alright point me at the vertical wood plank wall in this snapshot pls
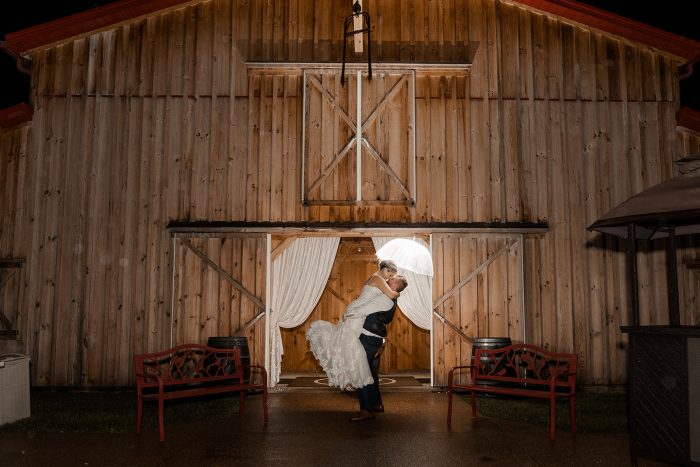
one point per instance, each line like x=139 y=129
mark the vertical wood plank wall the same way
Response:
x=477 y=288
x=207 y=297
x=158 y=120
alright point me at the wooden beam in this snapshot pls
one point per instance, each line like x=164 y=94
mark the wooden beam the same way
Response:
x=298 y=68
x=472 y=274
x=385 y=100
x=360 y=259
x=240 y=331
x=7 y=268
x=4 y=277
x=281 y=248
x=364 y=202
x=223 y=274
x=336 y=160
x=385 y=167
x=351 y=229
x=336 y=295
x=6 y=322
x=453 y=327
x=334 y=104
x=357 y=25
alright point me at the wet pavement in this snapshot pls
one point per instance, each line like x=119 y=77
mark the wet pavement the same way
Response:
x=312 y=427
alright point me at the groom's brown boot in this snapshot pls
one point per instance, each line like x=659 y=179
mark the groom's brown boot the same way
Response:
x=364 y=415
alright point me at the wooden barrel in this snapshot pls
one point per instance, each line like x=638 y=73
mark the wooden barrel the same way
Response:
x=488 y=343
x=234 y=342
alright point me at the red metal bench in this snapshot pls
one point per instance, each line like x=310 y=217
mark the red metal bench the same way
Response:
x=191 y=370
x=519 y=370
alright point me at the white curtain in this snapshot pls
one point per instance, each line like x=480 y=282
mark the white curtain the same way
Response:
x=299 y=276
x=416 y=301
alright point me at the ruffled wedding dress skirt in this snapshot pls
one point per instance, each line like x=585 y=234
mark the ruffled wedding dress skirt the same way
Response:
x=340 y=353
x=337 y=346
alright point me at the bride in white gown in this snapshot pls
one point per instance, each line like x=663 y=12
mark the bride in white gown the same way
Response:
x=337 y=346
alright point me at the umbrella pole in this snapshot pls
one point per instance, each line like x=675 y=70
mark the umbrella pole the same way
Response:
x=672 y=278
x=632 y=265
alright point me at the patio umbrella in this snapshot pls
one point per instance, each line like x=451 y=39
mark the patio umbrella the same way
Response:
x=667 y=209
x=409 y=255
x=673 y=203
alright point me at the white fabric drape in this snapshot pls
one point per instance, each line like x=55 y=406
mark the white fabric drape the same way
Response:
x=299 y=276
x=416 y=301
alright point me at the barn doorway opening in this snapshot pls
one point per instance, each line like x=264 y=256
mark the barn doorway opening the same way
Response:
x=407 y=350
x=223 y=286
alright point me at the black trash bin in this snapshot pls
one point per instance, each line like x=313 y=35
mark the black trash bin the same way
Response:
x=489 y=343
x=234 y=342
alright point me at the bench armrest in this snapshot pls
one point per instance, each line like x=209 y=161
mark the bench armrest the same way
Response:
x=450 y=375
x=461 y=367
x=555 y=376
x=262 y=371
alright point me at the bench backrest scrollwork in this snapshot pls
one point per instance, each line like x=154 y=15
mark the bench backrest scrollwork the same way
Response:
x=187 y=364
x=525 y=363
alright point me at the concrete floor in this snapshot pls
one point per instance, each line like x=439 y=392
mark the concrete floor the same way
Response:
x=311 y=427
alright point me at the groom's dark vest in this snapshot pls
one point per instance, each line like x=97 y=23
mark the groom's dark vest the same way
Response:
x=376 y=322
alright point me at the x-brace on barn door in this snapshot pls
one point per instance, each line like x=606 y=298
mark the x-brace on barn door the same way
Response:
x=359 y=139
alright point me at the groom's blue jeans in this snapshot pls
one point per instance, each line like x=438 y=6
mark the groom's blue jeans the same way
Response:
x=369 y=395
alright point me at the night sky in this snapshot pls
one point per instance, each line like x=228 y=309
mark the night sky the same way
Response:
x=671 y=15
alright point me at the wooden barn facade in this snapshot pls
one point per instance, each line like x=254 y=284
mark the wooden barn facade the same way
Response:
x=177 y=148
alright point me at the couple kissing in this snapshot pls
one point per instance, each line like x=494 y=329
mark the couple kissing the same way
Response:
x=349 y=352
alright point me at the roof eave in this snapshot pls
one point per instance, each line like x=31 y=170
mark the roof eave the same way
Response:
x=619 y=25
x=15 y=115
x=86 y=22
x=688 y=118
x=127 y=10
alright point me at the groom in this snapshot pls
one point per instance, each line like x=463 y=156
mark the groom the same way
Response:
x=372 y=339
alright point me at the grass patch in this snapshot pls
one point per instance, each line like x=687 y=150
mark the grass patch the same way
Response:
x=63 y=411
x=595 y=412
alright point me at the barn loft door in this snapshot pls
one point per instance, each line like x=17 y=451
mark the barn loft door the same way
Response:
x=219 y=290
x=477 y=292
x=359 y=139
